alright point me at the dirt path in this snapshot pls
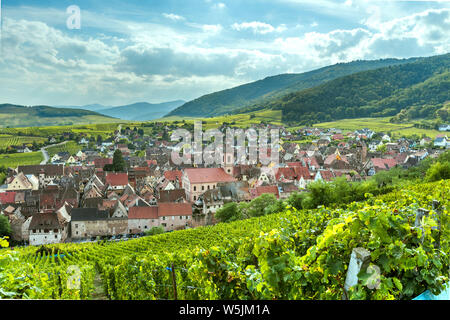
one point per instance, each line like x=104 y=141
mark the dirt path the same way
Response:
x=99 y=290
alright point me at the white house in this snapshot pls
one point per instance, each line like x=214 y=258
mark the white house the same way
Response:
x=444 y=127
x=46 y=228
x=441 y=142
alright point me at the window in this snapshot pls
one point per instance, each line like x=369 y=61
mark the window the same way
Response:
x=76 y=232
x=195 y=198
x=55 y=230
x=195 y=188
x=203 y=188
x=76 y=225
x=145 y=227
x=181 y=217
x=56 y=237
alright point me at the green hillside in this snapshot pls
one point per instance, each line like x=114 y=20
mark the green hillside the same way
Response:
x=375 y=93
x=21 y=116
x=261 y=91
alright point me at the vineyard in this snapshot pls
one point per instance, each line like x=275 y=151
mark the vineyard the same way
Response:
x=15 y=159
x=289 y=255
x=7 y=140
x=70 y=146
x=88 y=129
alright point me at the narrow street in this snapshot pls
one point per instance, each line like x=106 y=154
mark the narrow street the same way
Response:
x=45 y=153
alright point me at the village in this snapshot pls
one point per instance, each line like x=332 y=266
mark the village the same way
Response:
x=81 y=197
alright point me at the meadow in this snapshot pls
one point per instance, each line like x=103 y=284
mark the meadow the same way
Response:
x=15 y=159
x=378 y=125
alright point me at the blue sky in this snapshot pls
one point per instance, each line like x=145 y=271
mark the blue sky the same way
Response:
x=155 y=51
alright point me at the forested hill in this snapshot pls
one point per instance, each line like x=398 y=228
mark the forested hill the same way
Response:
x=262 y=91
x=22 y=116
x=374 y=93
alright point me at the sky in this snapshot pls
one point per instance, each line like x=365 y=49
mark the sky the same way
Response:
x=155 y=51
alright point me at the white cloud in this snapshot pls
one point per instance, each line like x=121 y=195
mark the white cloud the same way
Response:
x=258 y=27
x=173 y=17
x=212 y=28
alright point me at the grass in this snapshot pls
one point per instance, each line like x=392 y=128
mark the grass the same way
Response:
x=16 y=159
x=23 y=119
x=103 y=129
x=378 y=125
x=238 y=120
x=70 y=146
x=7 y=140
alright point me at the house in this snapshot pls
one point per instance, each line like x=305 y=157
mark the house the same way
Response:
x=45 y=173
x=23 y=182
x=8 y=197
x=116 y=181
x=141 y=219
x=425 y=141
x=444 y=127
x=441 y=142
x=324 y=175
x=375 y=165
x=336 y=161
x=176 y=195
x=92 y=222
x=174 y=216
x=84 y=141
x=48 y=227
x=258 y=191
x=101 y=162
x=196 y=181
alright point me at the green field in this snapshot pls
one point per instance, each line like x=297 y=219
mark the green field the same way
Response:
x=70 y=146
x=16 y=159
x=377 y=125
x=7 y=140
x=103 y=129
x=238 y=120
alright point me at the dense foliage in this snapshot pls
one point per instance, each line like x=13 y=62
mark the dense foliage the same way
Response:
x=262 y=91
x=293 y=254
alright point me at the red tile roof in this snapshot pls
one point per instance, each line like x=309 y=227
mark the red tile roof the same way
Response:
x=332 y=157
x=207 y=175
x=101 y=162
x=302 y=172
x=327 y=175
x=385 y=164
x=266 y=189
x=143 y=213
x=7 y=197
x=174 y=209
x=287 y=173
x=171 y=175
x=117 y=179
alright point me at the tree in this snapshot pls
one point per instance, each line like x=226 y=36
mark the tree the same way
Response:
x=155 y=230
x=258 y=206
x=382 y=148
x=5 y=228
x=229 y=212
x=438 y=171
x=118 y=162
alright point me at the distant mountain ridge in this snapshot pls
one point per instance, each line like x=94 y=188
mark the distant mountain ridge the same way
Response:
x=261 y=91
x=142 y=110
x=136 y=111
